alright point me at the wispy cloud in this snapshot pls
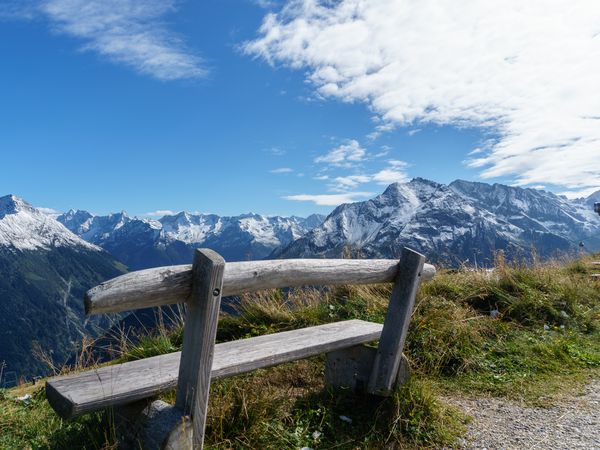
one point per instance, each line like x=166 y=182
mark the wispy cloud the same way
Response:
x=275 y=151
x=330 y=199
x=18 y=10
x=350 y=181
x=581 y=193
x=344 y=155
x=51 y=212
x=129 y=32
x=526 y=71
x=389 y=176
x=160 y=213
x=267 y=4
x=282 y=170
x=394 y=172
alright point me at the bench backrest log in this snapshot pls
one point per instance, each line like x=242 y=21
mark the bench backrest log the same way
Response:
x=202 y=284
x=173 y=284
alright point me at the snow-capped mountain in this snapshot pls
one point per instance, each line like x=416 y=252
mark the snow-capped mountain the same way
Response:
x=531 y=209
x=452 y=224
x=594 y=198
x=142 y=243
x=44 y=271
x=23 y=227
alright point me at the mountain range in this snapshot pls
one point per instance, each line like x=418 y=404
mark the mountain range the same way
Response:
x=453 y=224
x=48 y=262
x=141 y=243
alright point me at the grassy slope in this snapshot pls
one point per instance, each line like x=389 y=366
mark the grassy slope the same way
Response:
x=546 y=338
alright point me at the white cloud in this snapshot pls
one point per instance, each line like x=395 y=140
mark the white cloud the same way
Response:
x=329 y=199
x=51 y=212
x=160 y=213
x=345 y=155
x=18 y=10
x=389 y=176
x=526 y=71
x=276 y=151
x=282 y=170
x=380 y=129
x=394 y=173
x=582 y=193
x=350 y=181
x=398 y=164
x=382 y=153
x=130 y=32
x=266 y=4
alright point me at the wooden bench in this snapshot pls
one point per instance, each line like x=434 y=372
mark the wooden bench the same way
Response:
x=201 y=287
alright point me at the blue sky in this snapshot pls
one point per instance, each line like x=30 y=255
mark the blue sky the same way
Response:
x=211 y=106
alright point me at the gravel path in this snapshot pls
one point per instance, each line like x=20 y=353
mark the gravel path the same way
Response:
x=574 y=423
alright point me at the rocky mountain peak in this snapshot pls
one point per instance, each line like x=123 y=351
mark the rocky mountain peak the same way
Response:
x=24 y=227
x=594 y=198
x=11 y=204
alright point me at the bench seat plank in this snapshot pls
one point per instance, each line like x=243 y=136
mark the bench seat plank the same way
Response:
x=118 y=384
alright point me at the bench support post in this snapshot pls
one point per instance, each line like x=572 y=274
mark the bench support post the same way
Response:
x=199 y=340
x=350 y=368
x=395 y=326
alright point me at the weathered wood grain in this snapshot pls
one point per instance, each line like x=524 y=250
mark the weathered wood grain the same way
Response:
x=199 y=335
x=173 y=284
x=395 y=326
x=120 y=384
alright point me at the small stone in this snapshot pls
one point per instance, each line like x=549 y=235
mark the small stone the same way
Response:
x=24 y=399
x=494 y=313
x=316 y=435
x=564 y=314
x=346 y=419
x=546 y=327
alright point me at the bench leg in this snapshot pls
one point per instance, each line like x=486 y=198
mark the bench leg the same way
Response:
x=395 y=327
x=351 y=368
x=199 y=340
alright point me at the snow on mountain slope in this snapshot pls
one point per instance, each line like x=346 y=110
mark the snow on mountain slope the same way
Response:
x=142 y=243
x=594 y=198
x=44 y=271
x=450 y=224
x=531 y=208
x=23 y=227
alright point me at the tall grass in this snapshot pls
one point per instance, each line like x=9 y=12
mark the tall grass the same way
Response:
x=524 y=332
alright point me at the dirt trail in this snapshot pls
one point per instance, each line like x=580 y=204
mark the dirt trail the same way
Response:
x=573 y=423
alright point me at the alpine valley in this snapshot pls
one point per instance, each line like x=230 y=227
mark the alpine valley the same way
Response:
x=48 y=262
